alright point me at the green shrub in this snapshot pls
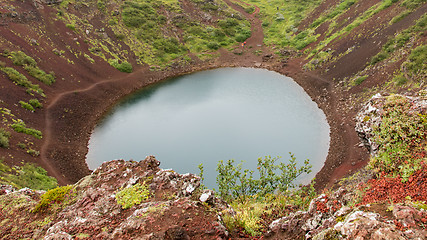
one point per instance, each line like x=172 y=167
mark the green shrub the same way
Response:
x=379 y=57
x=412 y=4
x=42 y=76
x=417 y=60
x=4 y=138
x=401 y=136
x=101 y=5
x=132 y=195
x=71 y=26
x=33 y=152
x=20 y=58
x=21 y=80
x=400 y=80
x=400 y=17
x=53 y=196
x=213 y=45
x=35 y=103
x=359 y=80
x=235 y=183
x=122 y=67
x=29 y=175
x=250 y=9
x=20 y=127
x=137 y=14
x=27 y=106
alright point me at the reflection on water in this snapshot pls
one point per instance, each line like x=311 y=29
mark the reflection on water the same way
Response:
x=229 y=113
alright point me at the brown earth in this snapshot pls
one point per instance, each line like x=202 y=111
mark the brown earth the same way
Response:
x=74 y=107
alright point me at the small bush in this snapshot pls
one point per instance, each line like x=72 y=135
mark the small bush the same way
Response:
x=250 y=9
x=359 y=80
x=379 y=57
x=42 y=76
x=54 y=196
x=235 y=183
x=400 y=80
x=4 y=138
x=130 y=196
x=122 y=67
x=29 y=175
x=20 y=58
x=417 y=60
x=20 y=127
x=21 y=80
x=33 y=152
x=213 y=45
x=22 y=145
x=400 y=136
x=27 y=106
x=35 y=103
x=71 y=26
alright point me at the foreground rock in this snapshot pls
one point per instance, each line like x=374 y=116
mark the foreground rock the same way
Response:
x=173 y=206
x=91 y=210
x=332 y=217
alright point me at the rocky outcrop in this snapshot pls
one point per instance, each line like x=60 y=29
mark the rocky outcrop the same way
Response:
x=91 y=210
x=369 y=116
x=331 y=217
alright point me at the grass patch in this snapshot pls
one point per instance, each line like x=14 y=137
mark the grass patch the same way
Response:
x=122 y=67
x=20 y=80
x=35 y=103
x=27 y=106
x=20 y=127
x=4 y=138
x=42 y=76
x=29 y=175
x=360 y=80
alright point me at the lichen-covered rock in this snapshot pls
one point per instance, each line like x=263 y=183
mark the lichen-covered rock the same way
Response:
x=91 y=209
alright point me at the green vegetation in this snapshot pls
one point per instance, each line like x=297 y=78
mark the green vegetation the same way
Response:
x=281 y=20
x=122 y=67
x=51 y=197
x=412 y=4
x=19 y=58
x=31 y=105
x=29 y=175
x=359 y=80
x=400 y=40
x=132 y=195
x=401 y=135
x=342 y=7
x=42 y=76
x=71 y=26
x=27 y=106
x=255 y=199
x=4 y=138
x=20 y=127
x=35 y=103
x=250 y=214
x=233 y=183
x=21 y=80
x=416 y=65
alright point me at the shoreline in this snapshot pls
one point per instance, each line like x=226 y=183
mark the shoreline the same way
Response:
x=69 y=133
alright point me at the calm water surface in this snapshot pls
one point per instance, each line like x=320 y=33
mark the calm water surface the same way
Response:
x=228 y=113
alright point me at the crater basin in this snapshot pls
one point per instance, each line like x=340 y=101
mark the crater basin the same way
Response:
x=205 y=117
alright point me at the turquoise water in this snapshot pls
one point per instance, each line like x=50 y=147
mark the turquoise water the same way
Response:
x=228 y=113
